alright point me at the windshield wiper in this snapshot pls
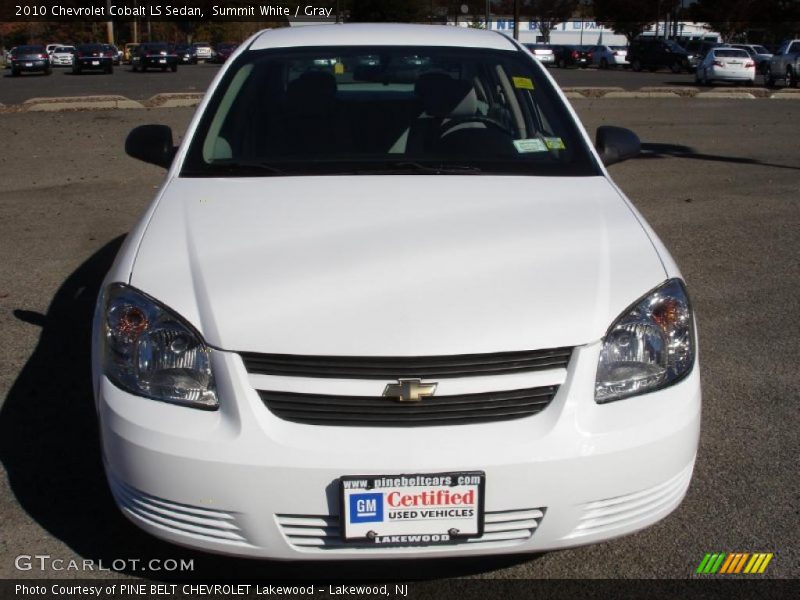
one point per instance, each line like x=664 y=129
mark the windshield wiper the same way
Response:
x=402 y=167
x=235 y=164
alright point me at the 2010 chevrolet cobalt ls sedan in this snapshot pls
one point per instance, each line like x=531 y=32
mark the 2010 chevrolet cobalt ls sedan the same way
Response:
x=388 y=303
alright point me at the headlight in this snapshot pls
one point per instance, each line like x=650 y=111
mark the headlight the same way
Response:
x=152 y=352
x=650 y=346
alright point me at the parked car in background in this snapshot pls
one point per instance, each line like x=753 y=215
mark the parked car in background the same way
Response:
x=203 y=51
x=726 y=64
x=543 y=53
x=128 y=52
x=785 y=65
x=186 y=53
x=610 y=56
x=93 y=57
x=758 y=53
x=330 y=338
x=116 y=54
x=655 y=53
x=50 y=47
x=697 y=50
x=154 y=55
x=62 y=56
x=566 y=56
x=223 y=51
x=29 y=59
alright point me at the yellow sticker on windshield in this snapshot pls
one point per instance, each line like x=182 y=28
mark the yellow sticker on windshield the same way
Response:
x=338 y=68
x=523 y=83
x=554 y=143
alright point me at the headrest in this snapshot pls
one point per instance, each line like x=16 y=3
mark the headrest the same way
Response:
x=312 y=93
x=444 y=96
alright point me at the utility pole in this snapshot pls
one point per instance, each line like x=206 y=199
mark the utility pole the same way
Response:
x=488 y=16
x=516 y=20
x=109 y=24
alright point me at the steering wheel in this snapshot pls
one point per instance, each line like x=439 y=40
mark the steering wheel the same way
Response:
x=452 y=122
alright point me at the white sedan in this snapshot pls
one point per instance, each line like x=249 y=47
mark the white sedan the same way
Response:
x=726 y=64
x=62 y=56
x=610 y=56
x=392 y=310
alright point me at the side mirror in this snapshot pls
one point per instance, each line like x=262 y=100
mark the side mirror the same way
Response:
x=615 y=144
x=152 y=144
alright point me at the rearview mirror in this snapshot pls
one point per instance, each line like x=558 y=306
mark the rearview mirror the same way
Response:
x=152 y=144
x=615 y=144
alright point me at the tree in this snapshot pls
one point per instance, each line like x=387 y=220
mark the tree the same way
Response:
x=771 y=19
x=549 y=13
x=730 y=18
x=632 y=17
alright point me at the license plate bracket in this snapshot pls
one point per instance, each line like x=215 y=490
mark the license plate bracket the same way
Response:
x=412 y=509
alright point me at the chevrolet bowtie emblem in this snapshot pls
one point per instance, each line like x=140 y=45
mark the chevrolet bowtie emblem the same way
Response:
x=409 y=390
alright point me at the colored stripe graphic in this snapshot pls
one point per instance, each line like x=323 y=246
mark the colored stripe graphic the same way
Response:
x=734 y=563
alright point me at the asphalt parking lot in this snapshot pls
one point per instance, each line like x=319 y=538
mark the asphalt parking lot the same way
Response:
x=719 y=180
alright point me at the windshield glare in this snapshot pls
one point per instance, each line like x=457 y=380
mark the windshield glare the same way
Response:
x=367 y=109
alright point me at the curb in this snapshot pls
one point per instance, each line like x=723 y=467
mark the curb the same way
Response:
x=174 y=100
x=641 y=95
x=80 y=105
x=718 y=95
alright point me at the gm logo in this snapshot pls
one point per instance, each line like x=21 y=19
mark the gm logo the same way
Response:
x=366 y=508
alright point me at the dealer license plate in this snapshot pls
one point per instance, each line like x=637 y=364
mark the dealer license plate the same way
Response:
x=412 y=510
x=95 y=62
x=28 y=64
x=162 y=61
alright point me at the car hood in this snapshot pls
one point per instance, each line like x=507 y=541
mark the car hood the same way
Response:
x=395 y=265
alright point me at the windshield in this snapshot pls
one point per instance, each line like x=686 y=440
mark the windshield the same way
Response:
x=386 y=109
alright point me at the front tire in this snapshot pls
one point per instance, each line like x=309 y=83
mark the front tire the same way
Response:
x=603 y=63
x=173 y=68
x=676 y=67
x=769 y=80
x=636 y=65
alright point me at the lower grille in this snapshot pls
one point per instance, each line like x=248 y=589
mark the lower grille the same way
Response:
x=184 y=519
x=604 y=516
x=313 y=409
x=322 y=532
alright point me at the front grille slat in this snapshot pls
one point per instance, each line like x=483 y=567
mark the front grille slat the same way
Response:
x=423 y=367
x=314 y=409
x=501 y=528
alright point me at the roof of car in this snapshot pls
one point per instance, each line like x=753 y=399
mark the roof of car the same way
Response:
x=366 y=34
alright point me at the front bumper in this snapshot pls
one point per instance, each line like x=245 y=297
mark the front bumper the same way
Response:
x=241 y=481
